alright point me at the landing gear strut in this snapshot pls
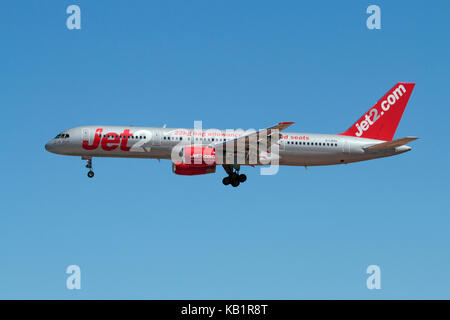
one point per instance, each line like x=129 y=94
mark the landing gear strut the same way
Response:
x=89 y=166
x=234 y=178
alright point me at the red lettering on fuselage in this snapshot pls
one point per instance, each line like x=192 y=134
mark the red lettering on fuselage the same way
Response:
x=123 y=144
x=95 y=143
x=109 y=141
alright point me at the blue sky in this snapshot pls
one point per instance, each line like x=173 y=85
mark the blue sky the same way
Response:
x=140 y=232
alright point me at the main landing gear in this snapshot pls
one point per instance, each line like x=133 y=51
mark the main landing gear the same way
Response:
x=234 y=178
x=89 y=166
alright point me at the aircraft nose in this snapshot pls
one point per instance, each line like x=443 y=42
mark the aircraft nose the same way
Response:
x=49 y=146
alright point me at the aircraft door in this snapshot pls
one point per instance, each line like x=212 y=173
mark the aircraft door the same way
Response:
x=345 y=146
x=281 y=144
x=156 y=138
x=85 y=134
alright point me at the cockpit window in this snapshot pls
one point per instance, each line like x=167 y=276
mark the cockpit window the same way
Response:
x=62 y=136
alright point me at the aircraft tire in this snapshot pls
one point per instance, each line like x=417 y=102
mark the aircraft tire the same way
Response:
x=235 y=182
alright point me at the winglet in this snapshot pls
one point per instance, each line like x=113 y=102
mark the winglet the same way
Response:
x=283 y=125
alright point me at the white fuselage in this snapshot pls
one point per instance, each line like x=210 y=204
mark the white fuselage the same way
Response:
x=295 y=149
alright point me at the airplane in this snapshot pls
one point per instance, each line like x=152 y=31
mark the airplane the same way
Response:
x=197 y=151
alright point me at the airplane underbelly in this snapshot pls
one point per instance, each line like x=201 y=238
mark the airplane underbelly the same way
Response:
x=144 y=152
x=309 y=158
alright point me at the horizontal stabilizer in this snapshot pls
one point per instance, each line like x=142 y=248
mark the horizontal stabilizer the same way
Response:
x=390 y=144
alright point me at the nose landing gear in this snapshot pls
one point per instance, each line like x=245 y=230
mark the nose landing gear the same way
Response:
x=234 y=178
x=90 y=174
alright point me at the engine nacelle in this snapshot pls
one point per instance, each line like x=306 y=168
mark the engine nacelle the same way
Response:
x=195 y=161
x=192 y=170
x=198 y=156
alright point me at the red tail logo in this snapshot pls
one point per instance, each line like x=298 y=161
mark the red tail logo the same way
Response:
x=382 y=120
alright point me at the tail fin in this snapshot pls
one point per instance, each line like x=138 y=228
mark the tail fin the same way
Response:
x=381 y=121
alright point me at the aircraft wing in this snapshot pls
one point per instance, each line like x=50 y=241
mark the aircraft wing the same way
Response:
x=269 y=135
x=390 y=144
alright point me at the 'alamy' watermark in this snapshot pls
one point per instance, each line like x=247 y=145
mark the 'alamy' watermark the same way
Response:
x=374 y=20
x=229 y=147
x=374 y=280
x=74 y=20
x=74 y=280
